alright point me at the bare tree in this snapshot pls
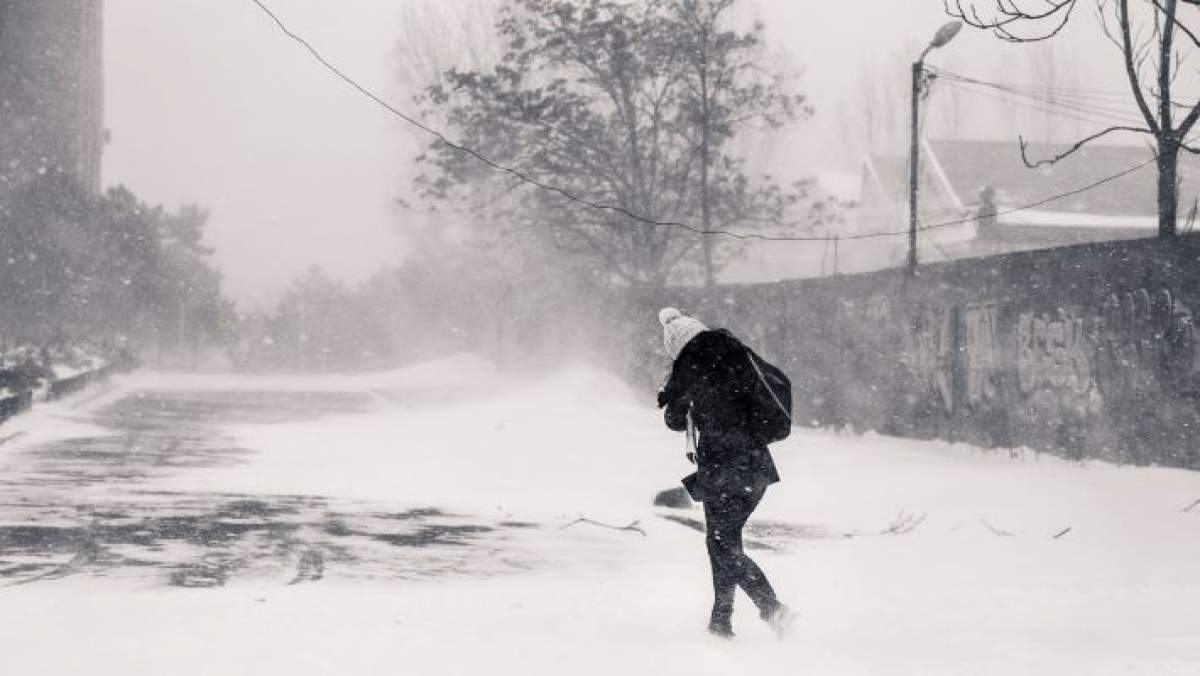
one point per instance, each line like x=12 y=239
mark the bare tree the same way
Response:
x=1151 y=36
x=869 y=118
x=611 y=106
x=727 y=88
x=436 y=37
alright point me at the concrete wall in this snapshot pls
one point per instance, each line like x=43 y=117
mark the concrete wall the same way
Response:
x=1085 y=351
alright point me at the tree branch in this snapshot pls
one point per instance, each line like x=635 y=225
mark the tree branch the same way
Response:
x=632 y=527
x=1009 y=15
x=1079 y=144
x=904 y=524
x=1179 y=24
x=1131 y=69
x=995 y=531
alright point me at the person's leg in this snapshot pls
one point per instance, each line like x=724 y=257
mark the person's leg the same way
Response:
x=724 y=573
x=725 y=517
x=750 y=577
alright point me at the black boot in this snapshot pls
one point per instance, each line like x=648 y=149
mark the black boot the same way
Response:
x=781 y=619
x=720 y=628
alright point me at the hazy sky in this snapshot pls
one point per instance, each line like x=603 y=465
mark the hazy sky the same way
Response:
x=207 y=102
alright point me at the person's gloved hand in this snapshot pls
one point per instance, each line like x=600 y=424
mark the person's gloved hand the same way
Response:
x=662 y=398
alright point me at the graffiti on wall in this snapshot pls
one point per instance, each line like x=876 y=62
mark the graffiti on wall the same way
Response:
x=1054 y=357
x=929 y=355
x=1137 y=342
x=982 y=353
x=1068 y=359
x=1052 y=352
x=873 y=312
x=1145 y=337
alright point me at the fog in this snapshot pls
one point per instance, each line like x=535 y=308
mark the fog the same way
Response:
x=207 y=102
x=301 y=175
x=281 y=183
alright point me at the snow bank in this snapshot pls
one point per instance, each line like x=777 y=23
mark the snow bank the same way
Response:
x=55 y=420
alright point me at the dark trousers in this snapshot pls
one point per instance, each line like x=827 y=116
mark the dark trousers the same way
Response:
x=724 y=518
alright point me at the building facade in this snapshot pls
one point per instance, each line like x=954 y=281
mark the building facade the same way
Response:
x=51 y=91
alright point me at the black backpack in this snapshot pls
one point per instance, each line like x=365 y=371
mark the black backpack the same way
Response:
x=772 y=400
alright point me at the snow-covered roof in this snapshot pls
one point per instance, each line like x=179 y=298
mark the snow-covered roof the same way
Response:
x=1068 y=219
x=971 y=166
x=954 y=173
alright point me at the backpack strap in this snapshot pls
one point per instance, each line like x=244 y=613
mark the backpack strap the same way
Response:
x=691 y=442
x=763 y=379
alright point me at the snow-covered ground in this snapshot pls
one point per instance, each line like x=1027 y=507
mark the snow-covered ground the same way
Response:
x=974 y=582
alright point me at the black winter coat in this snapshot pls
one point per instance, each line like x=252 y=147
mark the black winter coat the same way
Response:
x=713 y=377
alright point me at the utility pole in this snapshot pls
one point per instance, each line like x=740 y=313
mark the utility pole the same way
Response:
x=945 y=34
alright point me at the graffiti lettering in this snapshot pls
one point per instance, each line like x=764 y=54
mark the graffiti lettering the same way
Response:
x=929 y=353
x=1142 y=336
x=982 y=353
x=1052 y=354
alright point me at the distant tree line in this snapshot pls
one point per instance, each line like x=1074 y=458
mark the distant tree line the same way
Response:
x=80 y=266
x=448 y=300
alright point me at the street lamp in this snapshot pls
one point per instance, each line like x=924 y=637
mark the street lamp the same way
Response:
x=945 y=34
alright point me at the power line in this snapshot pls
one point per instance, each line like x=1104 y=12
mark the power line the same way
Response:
x=1087 y=101
x=1047 y=108
x=1086 y=108
x=1034 y=87
x=1056 y=97
x=1121 y=95
x=522 y=177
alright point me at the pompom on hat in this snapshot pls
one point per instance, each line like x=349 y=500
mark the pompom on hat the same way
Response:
x=678 y=329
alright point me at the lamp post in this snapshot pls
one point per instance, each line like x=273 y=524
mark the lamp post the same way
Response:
x=945 y=34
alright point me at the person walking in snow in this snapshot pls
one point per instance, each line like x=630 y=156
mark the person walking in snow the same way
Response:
x=711 y=389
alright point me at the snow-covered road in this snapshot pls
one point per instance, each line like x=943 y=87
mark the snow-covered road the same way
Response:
x=413 y=522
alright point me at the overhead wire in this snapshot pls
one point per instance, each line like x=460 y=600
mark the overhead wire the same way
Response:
x=1058 y=90
x=1046 y=108
x=1109 y=101
x=1018 y=96
x=1043 y=93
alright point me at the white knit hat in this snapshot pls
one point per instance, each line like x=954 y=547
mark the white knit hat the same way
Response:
x=678 y=330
